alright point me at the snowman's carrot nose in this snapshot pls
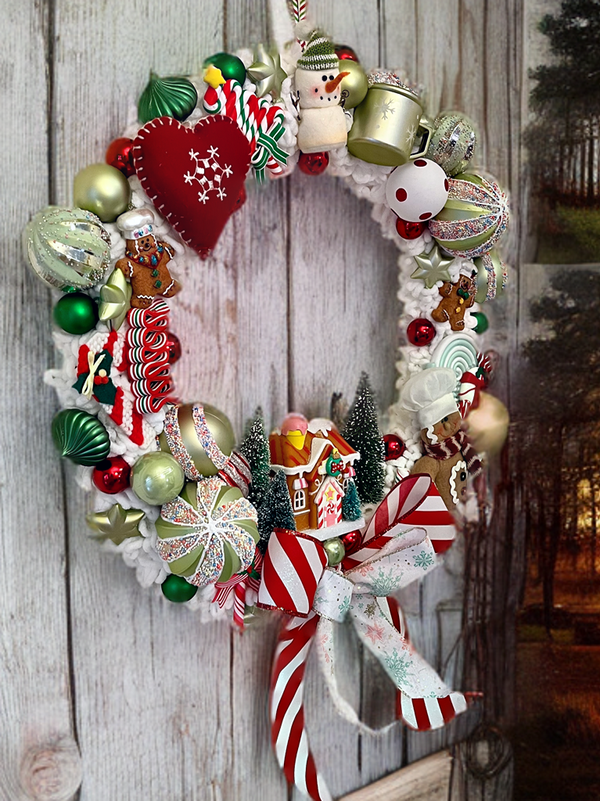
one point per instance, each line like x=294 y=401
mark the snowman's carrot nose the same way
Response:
x=331 y=86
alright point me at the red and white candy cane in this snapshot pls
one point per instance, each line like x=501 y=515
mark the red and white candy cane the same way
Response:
x=259 y=119
x=239 y=585
x=148 y=357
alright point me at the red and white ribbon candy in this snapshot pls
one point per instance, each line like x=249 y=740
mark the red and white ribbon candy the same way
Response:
x=148 y=357
x=286 y=710
x=240 y=584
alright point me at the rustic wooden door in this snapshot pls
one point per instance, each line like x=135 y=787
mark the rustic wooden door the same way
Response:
x=100 y=679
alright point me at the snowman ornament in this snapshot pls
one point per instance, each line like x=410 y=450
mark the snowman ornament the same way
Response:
x=322 y=121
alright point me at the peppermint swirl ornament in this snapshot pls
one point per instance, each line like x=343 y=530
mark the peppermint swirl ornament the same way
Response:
x=208 y=533
x=457 y=352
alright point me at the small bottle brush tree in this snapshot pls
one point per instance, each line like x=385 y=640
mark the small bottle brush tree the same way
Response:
x=275 y=510
x=255 y=448
x=351 y=503
x=362 y=433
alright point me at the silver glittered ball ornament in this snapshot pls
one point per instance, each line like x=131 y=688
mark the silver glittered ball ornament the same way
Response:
x=453 y=142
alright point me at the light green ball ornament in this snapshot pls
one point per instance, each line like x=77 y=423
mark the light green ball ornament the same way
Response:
x=184 y=443
x=167 y=97
x=177 y=590
x=157 y=478
x=355 y=85
x=76 y=313
x=80 y=437
x=453 y=141
x=67 y=248
x=103 y=190
x=334 y=548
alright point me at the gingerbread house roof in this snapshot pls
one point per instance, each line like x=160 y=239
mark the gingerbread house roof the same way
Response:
x=321 y=438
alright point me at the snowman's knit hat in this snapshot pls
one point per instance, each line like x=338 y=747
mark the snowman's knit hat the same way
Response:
x=319 y=54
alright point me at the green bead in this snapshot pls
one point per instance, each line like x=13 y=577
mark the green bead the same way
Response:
x=177 y=590
x=80 y=437
x=334 y=548
x=482 y=322
x=157 y=478
x=76 y=313
x=167 y=97
x=231 y=66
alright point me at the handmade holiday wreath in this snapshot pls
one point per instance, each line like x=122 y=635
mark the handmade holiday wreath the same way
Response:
x=321 y=524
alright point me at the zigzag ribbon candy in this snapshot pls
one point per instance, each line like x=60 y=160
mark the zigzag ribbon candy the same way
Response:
x=148 y=357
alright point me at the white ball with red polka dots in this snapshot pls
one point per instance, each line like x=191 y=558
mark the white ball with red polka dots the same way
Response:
x=417 y=191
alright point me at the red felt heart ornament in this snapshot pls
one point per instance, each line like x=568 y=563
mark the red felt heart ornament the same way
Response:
x=194 y=176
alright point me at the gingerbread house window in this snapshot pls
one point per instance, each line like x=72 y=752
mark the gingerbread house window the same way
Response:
x=299 y=500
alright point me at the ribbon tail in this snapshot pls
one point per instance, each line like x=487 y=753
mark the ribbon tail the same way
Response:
x=286 y=707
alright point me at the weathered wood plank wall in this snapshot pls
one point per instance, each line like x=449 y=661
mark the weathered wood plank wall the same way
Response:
x=160 y=706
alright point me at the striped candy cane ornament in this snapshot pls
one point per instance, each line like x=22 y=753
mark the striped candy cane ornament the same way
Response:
x=286 y=710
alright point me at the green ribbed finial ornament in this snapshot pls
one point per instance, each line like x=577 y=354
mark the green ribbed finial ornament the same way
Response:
x=167 y=97
x=80 y=437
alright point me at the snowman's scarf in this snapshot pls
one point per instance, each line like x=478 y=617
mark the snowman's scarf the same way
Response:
x=450 y=447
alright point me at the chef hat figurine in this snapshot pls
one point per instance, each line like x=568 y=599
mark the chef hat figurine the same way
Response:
x=145 y=262
x=449 y=456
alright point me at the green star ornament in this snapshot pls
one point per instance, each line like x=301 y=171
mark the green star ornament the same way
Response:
x=266 y=72
x=433 y=267
x=116 y=524
x=115 y=299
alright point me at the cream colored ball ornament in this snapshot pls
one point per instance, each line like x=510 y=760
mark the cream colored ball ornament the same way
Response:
x=487 y=425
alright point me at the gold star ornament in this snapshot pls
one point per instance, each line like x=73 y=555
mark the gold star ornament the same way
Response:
x=116 y=524
x=115 y=299
x=433 y=267
x=266 y=72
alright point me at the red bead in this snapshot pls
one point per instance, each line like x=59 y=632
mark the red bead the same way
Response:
x=352 y=541
x=119 y=155
x=112 y=475
x=420 y=332
x=174 y=346
x=343 y=52
x=313 y=163
x=394 y=447
x=409 y=230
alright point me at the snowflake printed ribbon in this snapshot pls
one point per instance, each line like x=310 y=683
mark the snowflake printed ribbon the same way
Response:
x=216 y=520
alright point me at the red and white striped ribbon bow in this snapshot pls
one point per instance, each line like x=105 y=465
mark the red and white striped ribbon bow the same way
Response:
x=240 y=584
x=295 y=579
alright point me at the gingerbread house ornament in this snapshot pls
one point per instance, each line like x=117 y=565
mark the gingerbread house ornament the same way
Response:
x=318 y=465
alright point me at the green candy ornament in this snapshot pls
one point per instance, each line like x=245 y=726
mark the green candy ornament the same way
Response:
x=177 y=590
x=80 y=437
x=482 y=322
x=103 y=190
x=167 y=97
x=229 y=66
x=157 y=478
x=67 y=248
x=76 y=313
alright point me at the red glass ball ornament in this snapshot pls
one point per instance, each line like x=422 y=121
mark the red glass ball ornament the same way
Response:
x=174 y=346
x=409 y=230
x=343 y=52
x=313 y=163
x=352 y=541
x=119 y=155
x=394 y=447
x=420 y=332
x=112 y=475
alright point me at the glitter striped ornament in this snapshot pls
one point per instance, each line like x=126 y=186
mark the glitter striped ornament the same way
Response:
x=474 y=218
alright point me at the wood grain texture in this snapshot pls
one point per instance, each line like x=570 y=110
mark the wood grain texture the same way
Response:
x=38 y=754
x=298 y=298
x=425 y=780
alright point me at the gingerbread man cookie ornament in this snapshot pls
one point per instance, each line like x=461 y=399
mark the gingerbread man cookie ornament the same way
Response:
x=145 y=262
x=449 y=456
x=456 y=299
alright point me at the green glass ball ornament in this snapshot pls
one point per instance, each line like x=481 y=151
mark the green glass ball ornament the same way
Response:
x=80 y=437
x=67 y=247
x=230 y=66
x=157 y=478
x=334 y=548
x=453 y=141
x=190 y=446
x=167 y=97
x=355 y=85
x=177 y=590
x=482 y=322
x=76 y=313
x=103 y=190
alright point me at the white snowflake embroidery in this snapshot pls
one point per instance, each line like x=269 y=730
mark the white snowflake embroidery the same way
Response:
x=209 y=174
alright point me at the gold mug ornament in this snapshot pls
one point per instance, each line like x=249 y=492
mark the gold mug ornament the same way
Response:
x=389 y=127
